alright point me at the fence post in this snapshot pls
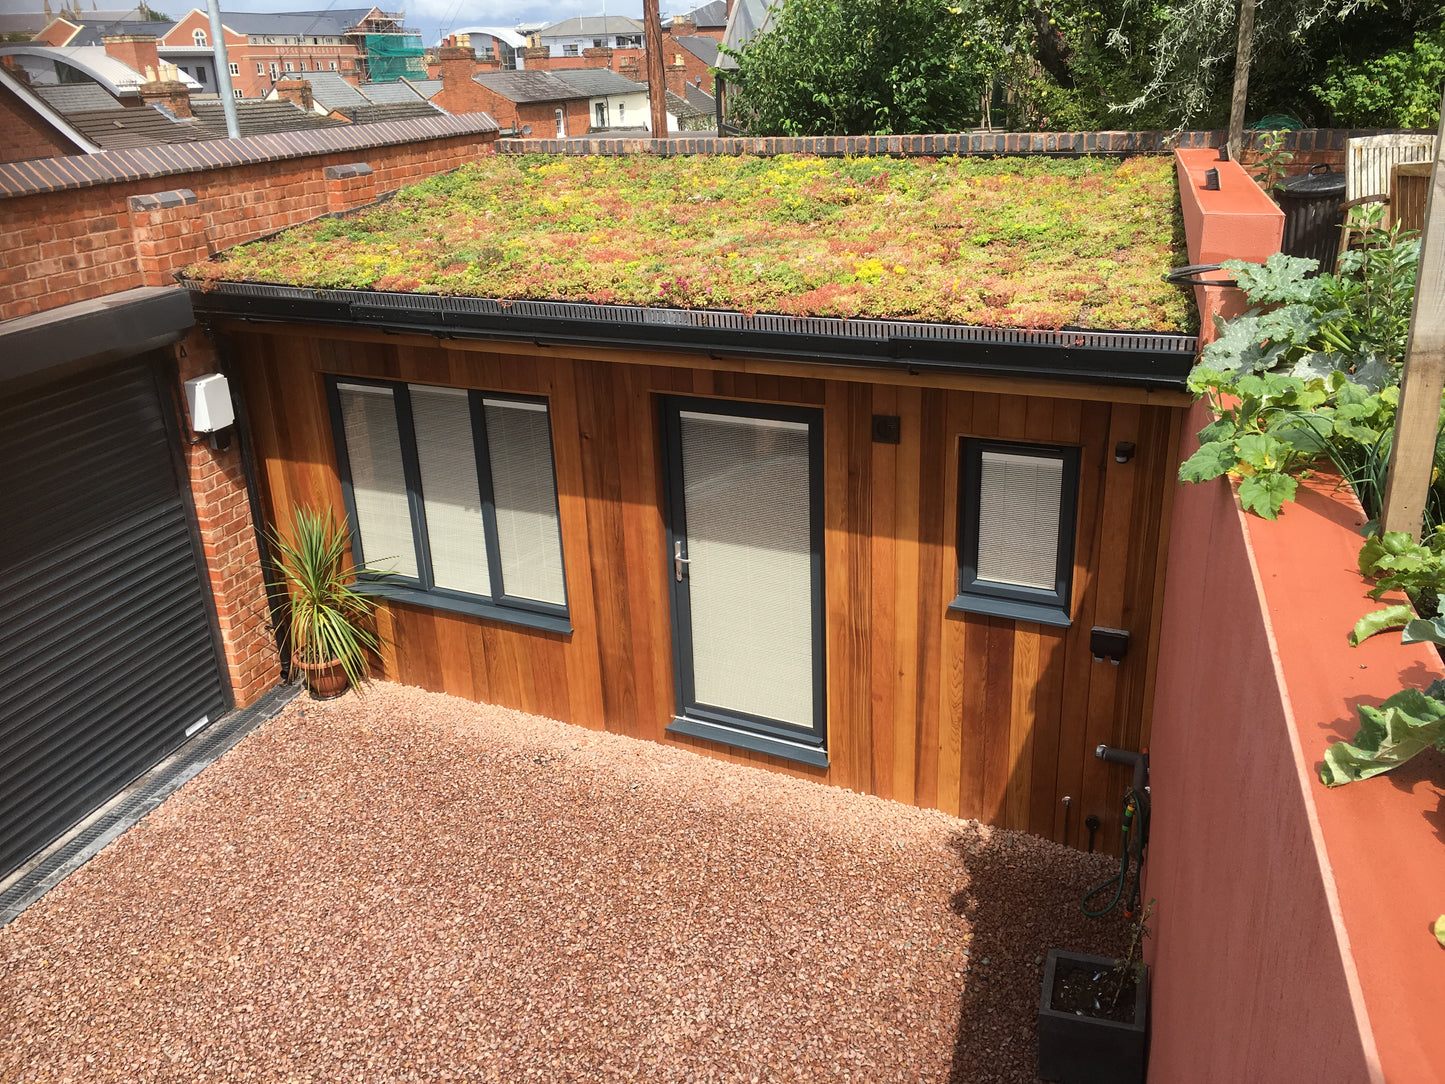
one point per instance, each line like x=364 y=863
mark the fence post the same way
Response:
x=1417 y=422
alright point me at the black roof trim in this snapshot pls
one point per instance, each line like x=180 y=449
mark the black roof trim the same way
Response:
x=1138 y=359
x=88 y=334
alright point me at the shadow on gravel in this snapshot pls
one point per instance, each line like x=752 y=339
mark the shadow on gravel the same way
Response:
x=1020 y=897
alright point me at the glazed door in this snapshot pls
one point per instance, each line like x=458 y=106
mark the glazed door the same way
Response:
x=745 y=566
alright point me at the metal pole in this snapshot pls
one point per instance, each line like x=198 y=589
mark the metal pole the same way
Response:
x=1422 y=378
x=223 y=71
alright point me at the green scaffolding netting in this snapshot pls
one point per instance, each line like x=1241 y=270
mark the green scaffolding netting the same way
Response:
x=391 y=56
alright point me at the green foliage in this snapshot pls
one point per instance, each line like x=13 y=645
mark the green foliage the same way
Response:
x=1407 y=723
x=1310 y=374
x=329 y=620
x=858 y=67
x=1391 y=617
x=1269 y=166
x=1396 y=89
x=1396 y=562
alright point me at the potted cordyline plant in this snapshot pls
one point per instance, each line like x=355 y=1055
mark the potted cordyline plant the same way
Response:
x=332 y=625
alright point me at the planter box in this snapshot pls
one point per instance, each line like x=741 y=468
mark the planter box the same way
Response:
x=1075 y=1049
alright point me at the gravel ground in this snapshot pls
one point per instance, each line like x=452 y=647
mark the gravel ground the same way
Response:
x=408 y=886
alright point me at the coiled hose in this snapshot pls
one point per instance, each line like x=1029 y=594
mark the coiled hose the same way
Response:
x=1135 y=838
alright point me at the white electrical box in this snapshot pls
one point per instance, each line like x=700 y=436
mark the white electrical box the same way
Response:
x=209 y=400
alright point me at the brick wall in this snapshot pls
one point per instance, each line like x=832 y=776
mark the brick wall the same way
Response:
x=86 y=242
x=228 y=536
x=22 y=135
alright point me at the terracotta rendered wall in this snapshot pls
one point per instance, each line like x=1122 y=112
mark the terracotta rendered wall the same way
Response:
x=1249 y=983
x=87 y=242
x=981 y=717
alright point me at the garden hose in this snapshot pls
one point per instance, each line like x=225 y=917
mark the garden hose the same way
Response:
x=1131 y=810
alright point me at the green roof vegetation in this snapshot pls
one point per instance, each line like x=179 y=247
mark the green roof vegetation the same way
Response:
x=1013 y=242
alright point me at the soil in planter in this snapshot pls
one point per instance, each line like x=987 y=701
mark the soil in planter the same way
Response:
x=1089 y=991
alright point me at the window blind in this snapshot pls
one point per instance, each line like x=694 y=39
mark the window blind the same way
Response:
x=378 y=481
x=1018 y=523
x=746 y=496
x=519 y=441
x=456 y=535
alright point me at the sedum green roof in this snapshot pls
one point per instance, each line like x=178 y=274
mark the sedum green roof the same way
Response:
x=1014 y=242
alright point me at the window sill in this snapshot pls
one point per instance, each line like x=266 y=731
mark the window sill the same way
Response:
x=1040 y=613
x=471 y=607
x=752 y=742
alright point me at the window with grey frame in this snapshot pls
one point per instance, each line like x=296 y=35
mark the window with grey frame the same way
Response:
x=451 y=497
x=1017 y=516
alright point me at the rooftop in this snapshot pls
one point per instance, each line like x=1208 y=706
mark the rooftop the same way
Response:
x=529 y=86
x=1011 y=243
x=591 y=24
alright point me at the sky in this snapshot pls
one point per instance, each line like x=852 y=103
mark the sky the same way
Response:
x=435 y=17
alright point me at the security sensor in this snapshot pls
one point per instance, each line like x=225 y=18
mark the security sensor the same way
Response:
x=209 y=400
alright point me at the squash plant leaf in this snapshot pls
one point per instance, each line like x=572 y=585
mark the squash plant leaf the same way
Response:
x=1212 y=460
x=1280 y=280
x=1391 y=617
x=1265 y=494
x=1407 y=723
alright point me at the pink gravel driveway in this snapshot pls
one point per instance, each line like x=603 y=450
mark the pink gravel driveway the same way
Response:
x=408 y=886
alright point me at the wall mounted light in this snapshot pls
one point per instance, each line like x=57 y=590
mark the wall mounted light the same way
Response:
x=1124 y=451
x=1106 y=643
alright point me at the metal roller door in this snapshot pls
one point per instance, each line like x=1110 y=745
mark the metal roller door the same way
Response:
x=107 y=650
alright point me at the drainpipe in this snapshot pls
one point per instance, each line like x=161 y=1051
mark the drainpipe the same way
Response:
x=223 y=71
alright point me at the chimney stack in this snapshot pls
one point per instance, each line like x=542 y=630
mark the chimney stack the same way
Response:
x=458 y=65
x=598 y=57
x=537 y=58
x=682 y=26
x=136 y=51
x=170 y=94
x=298 y=91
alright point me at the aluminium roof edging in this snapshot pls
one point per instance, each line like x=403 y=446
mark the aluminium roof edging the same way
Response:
x=1156 y=360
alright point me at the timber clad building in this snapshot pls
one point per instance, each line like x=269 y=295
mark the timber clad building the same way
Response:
x=873 y=551
x=833 y=466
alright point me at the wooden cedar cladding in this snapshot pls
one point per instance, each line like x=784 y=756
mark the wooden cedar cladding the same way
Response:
x=981 y=717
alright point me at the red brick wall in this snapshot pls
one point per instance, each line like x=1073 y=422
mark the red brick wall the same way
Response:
x=87 y=242
x=228 y=536
x=23 y=135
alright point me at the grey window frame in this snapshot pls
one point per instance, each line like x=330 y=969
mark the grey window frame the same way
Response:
x=421 y=589
x=980 y=596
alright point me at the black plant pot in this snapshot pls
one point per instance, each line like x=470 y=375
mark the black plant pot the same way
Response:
x=1083 y=1049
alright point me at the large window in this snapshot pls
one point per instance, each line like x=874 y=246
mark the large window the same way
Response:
x=1016 y=530
x=452 y=498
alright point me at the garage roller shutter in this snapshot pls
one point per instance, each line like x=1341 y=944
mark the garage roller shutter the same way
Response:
x=107 y=654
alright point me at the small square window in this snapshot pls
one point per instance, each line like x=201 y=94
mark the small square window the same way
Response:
x=1016 y=520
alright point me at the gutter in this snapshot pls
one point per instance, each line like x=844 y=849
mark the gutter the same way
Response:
x=1150 y=360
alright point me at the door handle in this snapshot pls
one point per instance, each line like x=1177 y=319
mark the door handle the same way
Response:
x=678 y=560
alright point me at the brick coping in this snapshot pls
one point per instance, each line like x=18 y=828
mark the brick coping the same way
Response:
x=992 y=143
x=43 y=175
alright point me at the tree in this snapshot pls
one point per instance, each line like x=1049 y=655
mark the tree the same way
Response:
x=860 y=67
x=1399 y=88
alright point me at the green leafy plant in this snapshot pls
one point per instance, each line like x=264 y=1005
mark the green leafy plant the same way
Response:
x=1309 y=374
x=1399 y=88
x=1272 y=158
x=330 y=622
x=1407 y=723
